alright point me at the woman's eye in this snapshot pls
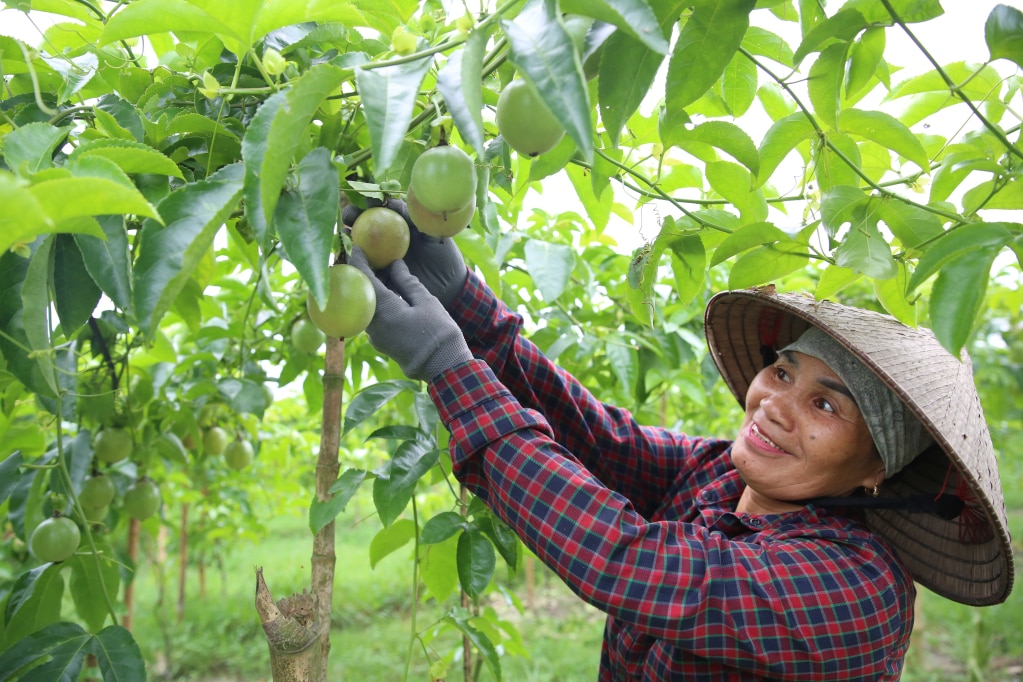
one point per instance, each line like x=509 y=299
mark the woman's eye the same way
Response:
x=826 y=405
x=781 y=373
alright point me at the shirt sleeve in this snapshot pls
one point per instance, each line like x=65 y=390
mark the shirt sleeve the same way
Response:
x=797 y=607
x=637 y=461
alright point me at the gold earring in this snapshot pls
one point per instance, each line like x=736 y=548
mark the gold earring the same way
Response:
x=876 y=491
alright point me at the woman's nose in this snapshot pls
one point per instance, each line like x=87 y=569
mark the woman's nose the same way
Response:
x=778 y=408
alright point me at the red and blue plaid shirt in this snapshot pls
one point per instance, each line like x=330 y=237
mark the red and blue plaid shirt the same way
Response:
x=640 y=523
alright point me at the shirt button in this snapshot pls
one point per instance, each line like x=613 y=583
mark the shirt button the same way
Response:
x=707 y=495
x=755 y=522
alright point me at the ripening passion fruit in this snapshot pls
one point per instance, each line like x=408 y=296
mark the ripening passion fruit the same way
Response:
x=438 y=224
x=382 y=234
x=444 y=178
x=351 y=302
x=525 y=122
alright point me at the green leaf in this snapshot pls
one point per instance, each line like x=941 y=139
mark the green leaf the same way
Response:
x=364 y=404
x=168 y=256
x=118 y=655
x=75 y=295
x=441 y=527
x=624 y=81
x=305 y=217
x=833 y=280
x=29 y=148
x=836 y=162
x=1003 y=32
x=60 y=647
x=438 y=567
x=388 y=98
x=550 y=266
x=1009 y=197
x=689 y=267
x=34 y=603
x=632 y=17
x=958 y=296
x=90 y=583
x=779 y=140
x=130 y=156
x=76 y=197
x=460 y=619
x=766 y=263
x=759 y=41
x=705 y=46
x=322 y=512
x=169 y=16
x=863 y=248
x=739 y=85
x=460 y=84
x=410 y=462
x=243 y=395
x=545 y=55
x=745 y=238
x=107 y=260
x=865 y=57
x=735 y=184
x=887 y=131
x=910 y=11
x=957 y=244
x=891 y=293
x=390 y=539
x=9 y=474
x=624 y=361
x=276 y=133
x=910 y=225
x=825 y=83
x=476 y=562
x=730 y=139
x=504 y=538
x=35 y=303
x=22 y=216
x=838 y=206
x=842 y=27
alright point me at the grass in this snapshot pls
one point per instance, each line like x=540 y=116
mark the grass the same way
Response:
x=220 y=639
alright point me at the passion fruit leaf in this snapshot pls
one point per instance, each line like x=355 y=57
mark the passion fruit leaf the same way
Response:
x=35 y=300
x=704 y=48
x=243 y=396
x=75 y=295
x=955 y=244
x=958 y=296
x=767 y=263
x=60 y=647
x=887 y=131
x=1003 y=33
x=460 y=619
x=305 y=218
x=460 y=84
x=476 y=562
x=780 y=139
x=388 y=97
x=130 y=156
x=390 y=539
x=632 y=17
x=842 y=26
x=118 y=654
x=341 y=493
x=90 y=579
x=827 y=74
x=277 y=130
x=10 y=474
x=863 y=249
x=410 y=462
x=543 y=51
x=730 y=139
x=29 y=148
x=24 y=217
x=106 y=259
x=550 y=265
x=364 y=404
x=168 y=256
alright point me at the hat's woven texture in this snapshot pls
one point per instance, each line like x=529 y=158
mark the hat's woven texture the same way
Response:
x=968 y=559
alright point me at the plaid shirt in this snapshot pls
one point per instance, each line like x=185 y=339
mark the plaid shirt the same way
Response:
x=639 y=522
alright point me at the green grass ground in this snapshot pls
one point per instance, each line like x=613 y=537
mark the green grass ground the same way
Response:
x=220 y=639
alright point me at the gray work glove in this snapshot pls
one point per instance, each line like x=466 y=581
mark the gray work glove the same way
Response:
x=410 y=325
x=436 y=262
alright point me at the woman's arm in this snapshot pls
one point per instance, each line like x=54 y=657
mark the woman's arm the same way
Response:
x=637 y=461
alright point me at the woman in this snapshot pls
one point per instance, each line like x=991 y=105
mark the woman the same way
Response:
x=758 y=558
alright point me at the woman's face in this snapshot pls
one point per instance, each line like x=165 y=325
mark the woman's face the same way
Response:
x=803 y=436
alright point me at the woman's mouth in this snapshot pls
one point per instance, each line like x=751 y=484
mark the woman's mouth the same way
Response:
x=754 y=430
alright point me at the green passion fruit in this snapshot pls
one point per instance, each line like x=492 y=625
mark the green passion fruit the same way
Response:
x=351 y=302
x=306 y=337
x=142 y=499
x=382 y=234
x=238 y=454
x=444 y=178
x=55 y=539
x=113 y=444
x=97 y=491
x=525 y=122
x=438 y=224
x=214 y=440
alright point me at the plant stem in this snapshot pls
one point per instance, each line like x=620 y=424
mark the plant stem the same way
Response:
x=955 y=89
x=413 y=635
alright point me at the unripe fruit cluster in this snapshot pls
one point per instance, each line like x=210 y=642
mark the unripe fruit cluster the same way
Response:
x=441 y=196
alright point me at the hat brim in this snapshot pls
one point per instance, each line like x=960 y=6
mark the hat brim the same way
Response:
x=968 y=559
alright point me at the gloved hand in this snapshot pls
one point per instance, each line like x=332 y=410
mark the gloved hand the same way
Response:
x=410 y=325
x=436 y=262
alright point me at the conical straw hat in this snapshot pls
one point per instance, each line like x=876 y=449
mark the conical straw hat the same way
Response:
x=967 y=559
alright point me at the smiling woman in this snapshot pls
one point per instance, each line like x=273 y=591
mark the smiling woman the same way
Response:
x=759 y=558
